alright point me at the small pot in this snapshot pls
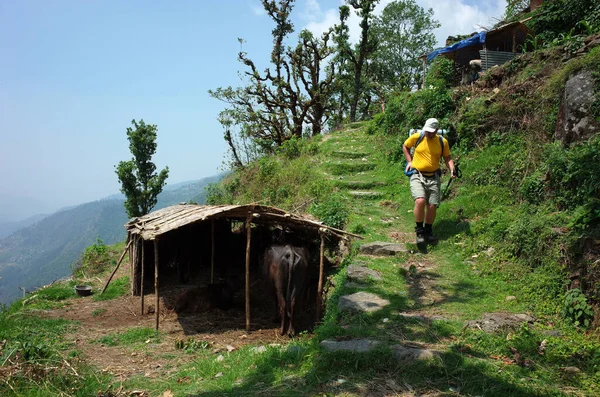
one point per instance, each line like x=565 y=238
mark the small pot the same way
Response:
x=83 y=290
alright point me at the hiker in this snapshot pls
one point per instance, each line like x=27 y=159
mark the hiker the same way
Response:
x=425 y=183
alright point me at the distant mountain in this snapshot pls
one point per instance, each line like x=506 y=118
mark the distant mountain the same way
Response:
x=44 y=251
x=7 y=228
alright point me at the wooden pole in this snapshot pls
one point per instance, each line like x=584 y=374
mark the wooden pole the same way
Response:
x=116 y=268
x=248 y=238
x=142 y=279
x=212 y=251
x=157 y=310
x=514 y=41
x=320 y=286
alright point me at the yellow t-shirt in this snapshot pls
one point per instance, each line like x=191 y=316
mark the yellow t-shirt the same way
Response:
x=427 y=155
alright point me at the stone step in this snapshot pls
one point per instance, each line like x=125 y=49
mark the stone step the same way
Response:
x=344 y=168
x=350 y=155
x=365 y=194
x=382 y=248
x=359 y=185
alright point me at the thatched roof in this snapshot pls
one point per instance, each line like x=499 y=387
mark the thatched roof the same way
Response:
x=167 y=219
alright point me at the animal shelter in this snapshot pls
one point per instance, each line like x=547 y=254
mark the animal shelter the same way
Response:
x=216 y=244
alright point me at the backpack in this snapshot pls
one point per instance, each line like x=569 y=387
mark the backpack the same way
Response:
x=421 y=136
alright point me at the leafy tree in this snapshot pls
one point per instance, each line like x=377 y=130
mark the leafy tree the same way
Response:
x=404 y=32
x=139 y=181
x=363 y=51
x=513 y=7
x=276 y=104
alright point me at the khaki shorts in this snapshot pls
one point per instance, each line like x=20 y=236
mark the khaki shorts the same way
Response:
x=426 y=187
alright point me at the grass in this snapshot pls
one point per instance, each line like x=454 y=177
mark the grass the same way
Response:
x=492 y=245
x=132 y=337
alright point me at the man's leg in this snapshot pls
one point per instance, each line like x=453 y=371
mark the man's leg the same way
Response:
x=418 y=193
x=429 y=219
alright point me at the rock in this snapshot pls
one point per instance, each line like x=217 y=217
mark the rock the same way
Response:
x=570 y=371
x=365 y=302
x=382 y=248
x=575 y=120
x=510 y=298
x=259 y=349
x=353 y=345
x=497 y=322
x=362 y=274
x=407 y=355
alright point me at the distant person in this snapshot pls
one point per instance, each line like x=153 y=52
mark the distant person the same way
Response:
x=424 y=167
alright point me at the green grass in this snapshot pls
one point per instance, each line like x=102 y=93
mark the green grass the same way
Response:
x=132 y=337
x=116 y=288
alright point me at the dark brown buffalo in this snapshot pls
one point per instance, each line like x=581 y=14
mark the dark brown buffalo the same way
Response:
x=286 y=269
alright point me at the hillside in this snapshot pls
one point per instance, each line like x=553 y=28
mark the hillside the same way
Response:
x=503 y=305
x=48 y=249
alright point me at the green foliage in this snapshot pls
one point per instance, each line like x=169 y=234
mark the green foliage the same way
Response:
x=441 y=73
x=576 y=308
x=403 y=32
x=472 y=126
x=572 y=173
x=139 y=181
x=95 y=259
x=131 y=337
x=116 y=288
x=333 y=211
x=191 y=345
x=557 y=17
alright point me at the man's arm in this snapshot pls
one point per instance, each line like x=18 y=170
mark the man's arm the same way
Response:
x=450 y=164
x=407 y=156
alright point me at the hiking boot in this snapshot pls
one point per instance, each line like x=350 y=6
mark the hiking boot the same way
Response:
x=431 y=239
x=420 y=236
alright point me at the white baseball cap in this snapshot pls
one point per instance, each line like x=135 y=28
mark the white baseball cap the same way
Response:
x=431 y=125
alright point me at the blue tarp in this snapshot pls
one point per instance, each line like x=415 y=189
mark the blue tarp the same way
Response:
x=478 y=38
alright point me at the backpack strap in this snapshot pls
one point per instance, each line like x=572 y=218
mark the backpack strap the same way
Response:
x=442 y=145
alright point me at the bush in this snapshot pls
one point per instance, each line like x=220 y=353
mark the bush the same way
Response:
x=577 y=309
x=559 y=16
x=332 y=212
x=441 y=73
x=94 y=259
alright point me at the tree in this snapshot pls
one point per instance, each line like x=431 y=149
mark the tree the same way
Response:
x=363 y=52
x=277 y=103
x=139 y=181
x=404 y=32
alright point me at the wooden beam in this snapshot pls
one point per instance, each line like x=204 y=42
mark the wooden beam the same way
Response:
x=142 y=279
x=248 y=240
x=157 y=309
x=116 y=268
x=320 y=285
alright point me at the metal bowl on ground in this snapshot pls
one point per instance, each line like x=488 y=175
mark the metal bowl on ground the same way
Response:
x=83 y=290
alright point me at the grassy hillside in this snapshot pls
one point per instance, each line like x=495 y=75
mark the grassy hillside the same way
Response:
x=45 y=251
x=516 y=236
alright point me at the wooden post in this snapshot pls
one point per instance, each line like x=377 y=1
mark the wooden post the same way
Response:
x=142 y=279
x=157 y=310
x=248 y=238
x=212 y=251
x=514 y=41
x=116 y=268
x=320 y=286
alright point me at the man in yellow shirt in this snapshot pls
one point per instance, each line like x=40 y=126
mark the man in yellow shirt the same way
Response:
x=425 y=179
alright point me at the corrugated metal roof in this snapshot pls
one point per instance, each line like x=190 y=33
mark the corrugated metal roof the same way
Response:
x=170 y=218
x=493 y=58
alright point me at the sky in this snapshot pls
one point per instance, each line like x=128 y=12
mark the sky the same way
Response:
x=73 y=74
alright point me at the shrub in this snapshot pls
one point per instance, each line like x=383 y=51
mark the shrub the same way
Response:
x=94 y=259
x=441 y=73
x=577 y=309
x=332 y=212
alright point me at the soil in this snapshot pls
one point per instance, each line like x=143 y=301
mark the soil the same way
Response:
x=224 y=330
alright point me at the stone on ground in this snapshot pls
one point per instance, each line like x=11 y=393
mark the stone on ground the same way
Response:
x=362 y=274
x=365 y=302
x=382 y=248
x=498 y=322
x=353 y=345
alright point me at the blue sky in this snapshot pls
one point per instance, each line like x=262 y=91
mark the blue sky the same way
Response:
x=73 y=74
